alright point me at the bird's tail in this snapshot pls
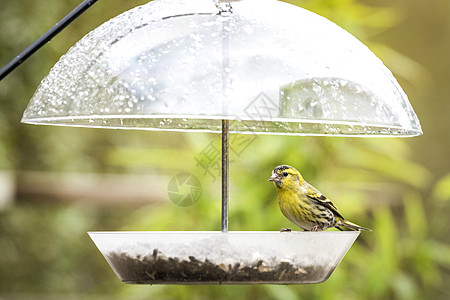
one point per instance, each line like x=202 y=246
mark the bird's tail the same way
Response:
x=352 y=226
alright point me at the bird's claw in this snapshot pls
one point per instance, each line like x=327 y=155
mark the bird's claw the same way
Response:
x=314 y=228
x=285 y=230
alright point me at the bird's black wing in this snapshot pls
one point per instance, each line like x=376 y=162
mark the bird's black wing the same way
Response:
x=324 y=201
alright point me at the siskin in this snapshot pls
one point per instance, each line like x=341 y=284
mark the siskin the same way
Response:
x=304 y=205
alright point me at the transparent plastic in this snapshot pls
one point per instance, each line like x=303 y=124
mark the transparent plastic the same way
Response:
x=184 y=65
x=212 y=257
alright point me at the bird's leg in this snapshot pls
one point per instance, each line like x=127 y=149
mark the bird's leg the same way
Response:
x=314 y=228
x=285 y=230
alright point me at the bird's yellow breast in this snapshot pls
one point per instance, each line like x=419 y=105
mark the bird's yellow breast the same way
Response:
x=293 y=205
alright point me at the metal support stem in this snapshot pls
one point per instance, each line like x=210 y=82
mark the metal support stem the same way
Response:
x=46 y=37
x=225 y=176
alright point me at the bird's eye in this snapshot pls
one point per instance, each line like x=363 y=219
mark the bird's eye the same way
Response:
x=285 y=174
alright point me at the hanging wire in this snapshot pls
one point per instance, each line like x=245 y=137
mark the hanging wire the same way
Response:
x=46 y=37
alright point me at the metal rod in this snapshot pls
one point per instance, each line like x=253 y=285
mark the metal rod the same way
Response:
x=225 y=175
x=46 y=37
x=225 y=9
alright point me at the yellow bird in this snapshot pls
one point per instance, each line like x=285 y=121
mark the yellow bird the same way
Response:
x=304 y=205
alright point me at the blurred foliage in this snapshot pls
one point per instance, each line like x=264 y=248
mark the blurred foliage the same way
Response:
x=378 y=183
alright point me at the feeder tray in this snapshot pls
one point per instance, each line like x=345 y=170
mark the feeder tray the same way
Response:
x=208 y=257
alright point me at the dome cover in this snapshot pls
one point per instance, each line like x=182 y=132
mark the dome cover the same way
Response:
x=184 y=65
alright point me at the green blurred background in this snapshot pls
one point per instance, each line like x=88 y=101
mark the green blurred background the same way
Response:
x=58 y=183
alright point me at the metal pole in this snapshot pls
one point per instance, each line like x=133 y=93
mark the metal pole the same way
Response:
x=225 y=9
x=46 y=37
x=225 y=176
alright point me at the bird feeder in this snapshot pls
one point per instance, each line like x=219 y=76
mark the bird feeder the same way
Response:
x=244 y=67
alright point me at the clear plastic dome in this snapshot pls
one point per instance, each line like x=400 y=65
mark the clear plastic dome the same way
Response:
x=184 y=65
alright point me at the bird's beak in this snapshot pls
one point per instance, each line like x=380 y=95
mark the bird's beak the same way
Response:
x=272 y=178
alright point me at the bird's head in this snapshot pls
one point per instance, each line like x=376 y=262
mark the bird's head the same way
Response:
x=285 y=177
